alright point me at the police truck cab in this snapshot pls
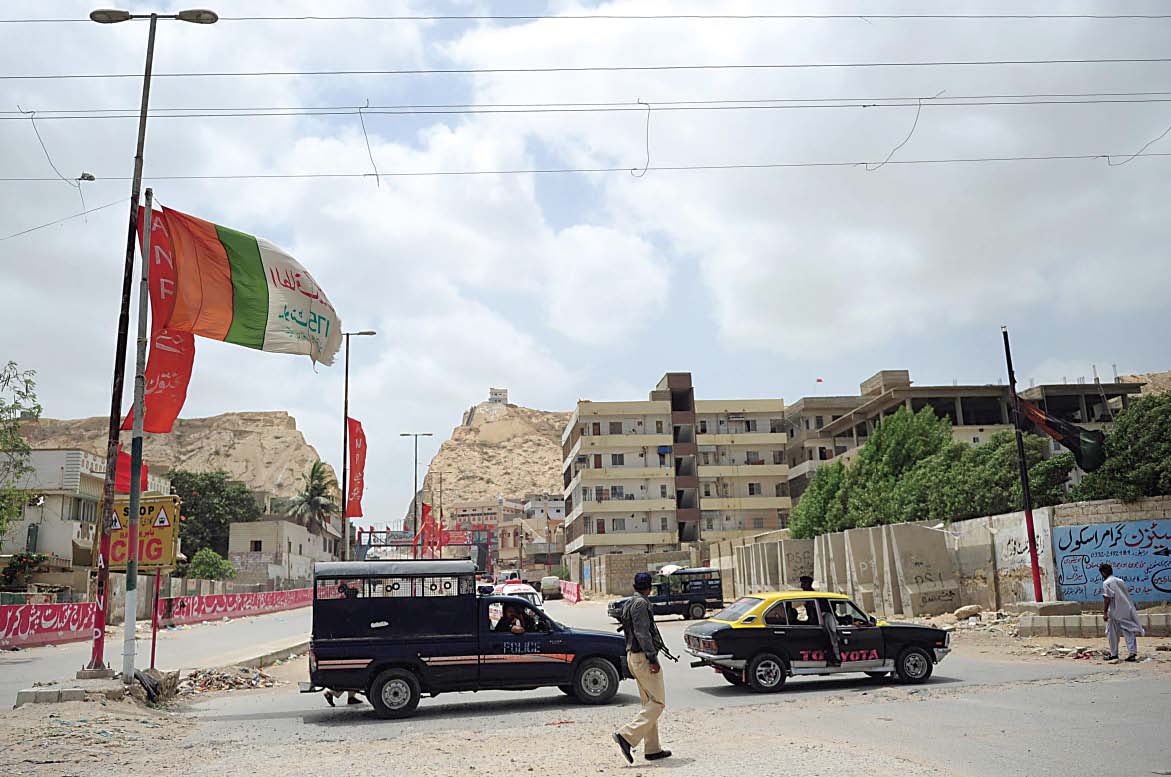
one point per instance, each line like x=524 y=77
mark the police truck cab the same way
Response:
x=395 y=630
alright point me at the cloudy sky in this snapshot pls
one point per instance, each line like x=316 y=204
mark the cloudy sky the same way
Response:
x=563 y=286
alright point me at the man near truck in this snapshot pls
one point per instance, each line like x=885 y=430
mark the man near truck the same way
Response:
x=642 y=656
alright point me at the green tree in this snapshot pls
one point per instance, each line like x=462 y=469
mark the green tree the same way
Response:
x=18 y=401
x=822 y=505
x=314 y=503
x=1138 y=454
x=209 y=565
x=210 y=505
x=902 y=440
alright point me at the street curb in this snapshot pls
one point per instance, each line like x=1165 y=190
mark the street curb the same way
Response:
x=268 y=659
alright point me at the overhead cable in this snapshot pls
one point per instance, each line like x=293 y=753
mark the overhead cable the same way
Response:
x=625 y=169
x=646 y=17
x=592 y=69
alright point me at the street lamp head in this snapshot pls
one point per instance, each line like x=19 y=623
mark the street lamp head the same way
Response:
x=109 y=16
x=199 y=16
x=366 y=333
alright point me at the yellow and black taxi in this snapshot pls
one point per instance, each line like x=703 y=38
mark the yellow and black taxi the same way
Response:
x=761 y=640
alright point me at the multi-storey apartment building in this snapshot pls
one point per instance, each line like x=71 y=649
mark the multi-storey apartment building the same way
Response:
x=821 y=429
x=645 y=476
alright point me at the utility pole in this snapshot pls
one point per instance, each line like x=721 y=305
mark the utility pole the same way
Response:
x=129 y=624
x=415 y=493
x=97 y=661
x=345 y=484
x=1024 y=468
x=548 y=563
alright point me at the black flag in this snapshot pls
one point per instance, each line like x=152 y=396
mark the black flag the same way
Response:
x=1087 y=445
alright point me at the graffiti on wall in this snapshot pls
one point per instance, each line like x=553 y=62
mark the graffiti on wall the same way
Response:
x=1139 y=551
x=22 y=625
x=194 y=609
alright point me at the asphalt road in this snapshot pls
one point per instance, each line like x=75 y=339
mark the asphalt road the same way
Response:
x=207 y=644
x=980 y=715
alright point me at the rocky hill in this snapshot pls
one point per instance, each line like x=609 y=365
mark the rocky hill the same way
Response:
x=263 y=450
x=1156 y=382
x=498 y=450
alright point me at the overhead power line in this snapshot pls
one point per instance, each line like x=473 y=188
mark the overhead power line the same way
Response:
x=647 y=17
x=594 y=69
x=623 y=169
x=611 y=107
x=62 y=220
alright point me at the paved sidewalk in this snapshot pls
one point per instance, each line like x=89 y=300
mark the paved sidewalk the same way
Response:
x=217 y=643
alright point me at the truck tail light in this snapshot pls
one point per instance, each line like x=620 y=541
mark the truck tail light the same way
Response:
x=312 y=660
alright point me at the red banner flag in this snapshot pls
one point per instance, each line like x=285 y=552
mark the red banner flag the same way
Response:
x=357 y=479
x=122 y=475
x=168 y=368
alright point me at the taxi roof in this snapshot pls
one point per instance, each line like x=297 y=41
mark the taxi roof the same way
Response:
x=775 y=596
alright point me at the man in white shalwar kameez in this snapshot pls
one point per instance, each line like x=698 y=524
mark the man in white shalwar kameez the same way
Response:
x=1119 y=613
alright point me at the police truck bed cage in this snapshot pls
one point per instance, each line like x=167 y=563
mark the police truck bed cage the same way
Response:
x=395 y=568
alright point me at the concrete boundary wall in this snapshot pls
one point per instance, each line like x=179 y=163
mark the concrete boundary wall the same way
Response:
x=1087 y=626
x=927 y=579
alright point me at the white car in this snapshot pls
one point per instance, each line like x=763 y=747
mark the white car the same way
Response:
x=522 y=591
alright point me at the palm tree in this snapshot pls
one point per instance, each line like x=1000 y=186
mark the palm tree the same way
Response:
x=314 y=503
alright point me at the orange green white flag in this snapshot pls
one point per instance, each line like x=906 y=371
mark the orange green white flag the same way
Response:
x=241 y=289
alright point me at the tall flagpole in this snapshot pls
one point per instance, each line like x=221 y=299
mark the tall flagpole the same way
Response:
x=1024 y=467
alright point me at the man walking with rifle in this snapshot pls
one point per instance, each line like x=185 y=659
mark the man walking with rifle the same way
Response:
x=643 y=645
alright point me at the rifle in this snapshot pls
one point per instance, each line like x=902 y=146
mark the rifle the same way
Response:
x=659 y=646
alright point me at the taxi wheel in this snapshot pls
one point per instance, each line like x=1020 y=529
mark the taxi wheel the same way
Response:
x=394 y=693
x=596 y=681
x=766 y=673
x=735 y=678
x=914 y=665
x=696 y=611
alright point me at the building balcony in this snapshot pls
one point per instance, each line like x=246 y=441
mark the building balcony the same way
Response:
x=743 y=470
x=805 y=468
x=745 y=503
x=742 y=438
x=620 y=538
x=627 y=505
x=621 y=442
x=608 y=474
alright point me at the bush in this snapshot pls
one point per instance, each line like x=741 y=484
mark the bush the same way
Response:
x=209 y=565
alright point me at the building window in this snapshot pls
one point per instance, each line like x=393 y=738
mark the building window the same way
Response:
x=707 y=489
x=778 y=457
x=617 y=492
x=754 y=489
x=618 y=524
x=708 y=523
x=782 y=489
x=819 y=421
x=615 y=427
x=658 y=427
x=256 y=546
x=753 y=457
x=750 y=425
x=703 y=426
x=601 y=526
x=807 y=424
x=663 y=522
x=300 y=549
x=758 y=523
x=597 y=428
x=600 y=493
x=617 y=459
x=290 y=547
x=663 y=493
x=662 y=459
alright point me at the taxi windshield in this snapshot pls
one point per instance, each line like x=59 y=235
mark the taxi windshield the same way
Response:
x=737 y=610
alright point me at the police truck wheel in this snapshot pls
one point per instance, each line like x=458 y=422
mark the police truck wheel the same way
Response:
x=596 y=681
x=913 y=665
x=766 y=673
x=395 y=693
x=696 y=611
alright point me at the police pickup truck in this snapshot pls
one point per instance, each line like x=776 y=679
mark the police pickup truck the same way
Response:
x=395 y=630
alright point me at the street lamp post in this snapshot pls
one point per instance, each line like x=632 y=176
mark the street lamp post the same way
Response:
x=97 y=662
x=345 y=484
x=415 y=493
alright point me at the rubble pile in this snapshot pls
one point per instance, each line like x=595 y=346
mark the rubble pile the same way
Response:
x=1080 y=652
x=211 y=680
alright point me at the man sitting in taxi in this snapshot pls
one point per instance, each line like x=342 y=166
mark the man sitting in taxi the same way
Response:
x=512 y=621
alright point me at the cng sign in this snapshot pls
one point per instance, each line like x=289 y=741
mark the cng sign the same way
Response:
x=158 y=533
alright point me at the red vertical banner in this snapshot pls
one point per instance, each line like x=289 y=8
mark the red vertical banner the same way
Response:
x=168 y=367
x=357 y=484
